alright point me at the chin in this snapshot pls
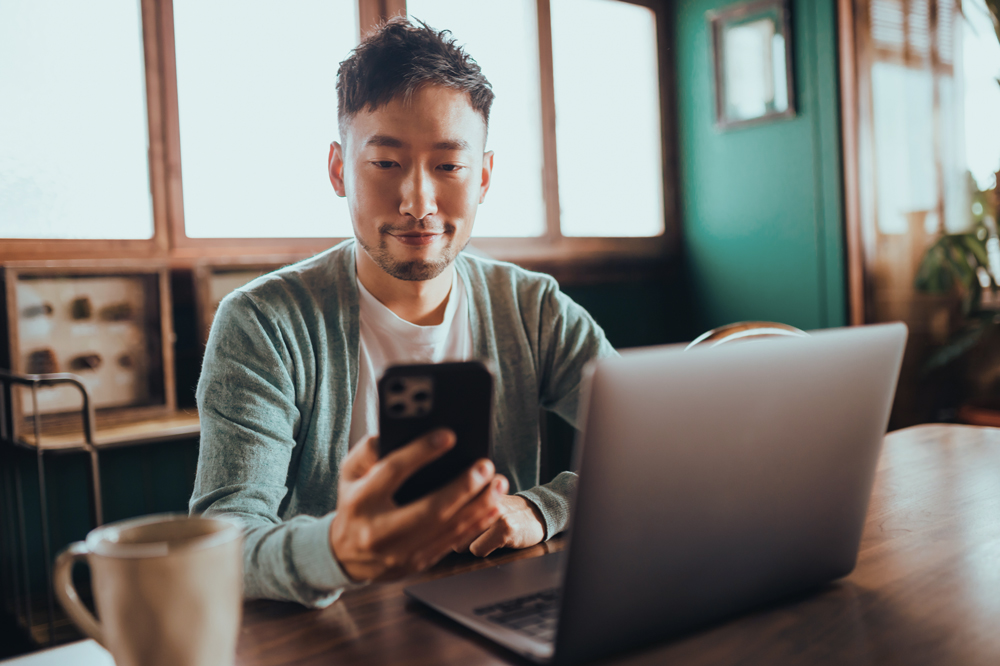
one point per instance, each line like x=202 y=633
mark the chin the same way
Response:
x=413 y=264
x=416 y=271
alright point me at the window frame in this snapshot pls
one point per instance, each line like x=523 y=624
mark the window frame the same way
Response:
x=567 y=255
x=858 y=54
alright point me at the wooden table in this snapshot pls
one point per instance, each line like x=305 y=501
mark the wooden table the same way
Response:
x=926 y=589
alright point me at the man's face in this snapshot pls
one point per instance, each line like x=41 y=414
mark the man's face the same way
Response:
x=414 y=174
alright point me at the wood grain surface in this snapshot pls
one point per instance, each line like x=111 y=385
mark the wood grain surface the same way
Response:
x=926 y=589
x=109 y=434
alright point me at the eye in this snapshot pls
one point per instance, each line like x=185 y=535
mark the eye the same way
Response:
x=450 y=168
x=384 y=164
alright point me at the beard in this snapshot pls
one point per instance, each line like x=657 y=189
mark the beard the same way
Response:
x=414 y=270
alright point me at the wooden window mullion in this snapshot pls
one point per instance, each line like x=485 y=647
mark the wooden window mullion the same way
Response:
x=550 y=173
x=373 y=12
x=394 y=8
x=171 y=127
x=152 y=45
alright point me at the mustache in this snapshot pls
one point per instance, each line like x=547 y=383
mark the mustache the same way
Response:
x=419 y=226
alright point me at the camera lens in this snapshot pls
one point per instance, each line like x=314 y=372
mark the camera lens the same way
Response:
x=397 y=386
x=421 y=396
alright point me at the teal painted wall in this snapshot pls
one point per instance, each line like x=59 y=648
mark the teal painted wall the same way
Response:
x=762 y=206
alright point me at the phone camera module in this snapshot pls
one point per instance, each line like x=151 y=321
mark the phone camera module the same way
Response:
x=409 y=397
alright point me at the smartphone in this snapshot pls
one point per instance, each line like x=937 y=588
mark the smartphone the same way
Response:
x=415 y=399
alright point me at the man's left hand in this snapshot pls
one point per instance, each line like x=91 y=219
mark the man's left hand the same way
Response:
x=520 y=525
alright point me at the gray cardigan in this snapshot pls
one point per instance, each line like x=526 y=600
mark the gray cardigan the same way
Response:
x=278 y=383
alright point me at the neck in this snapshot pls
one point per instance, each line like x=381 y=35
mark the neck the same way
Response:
x=420 y=302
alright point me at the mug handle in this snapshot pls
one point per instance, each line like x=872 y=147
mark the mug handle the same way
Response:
x=68 y=597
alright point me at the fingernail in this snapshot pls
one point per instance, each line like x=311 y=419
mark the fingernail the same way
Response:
x=482 y=470
x=441 y=439
x=501 y=486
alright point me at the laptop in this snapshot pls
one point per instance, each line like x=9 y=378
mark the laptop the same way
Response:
x=712 y=482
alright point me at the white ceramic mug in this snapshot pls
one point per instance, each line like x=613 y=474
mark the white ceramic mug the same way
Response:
x=168 y=589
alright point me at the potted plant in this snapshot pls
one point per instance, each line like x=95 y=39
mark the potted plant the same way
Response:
x=967 y=265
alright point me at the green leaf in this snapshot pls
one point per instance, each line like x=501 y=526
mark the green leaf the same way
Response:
x=935 y=274
x=954 y=348
x=978 y=249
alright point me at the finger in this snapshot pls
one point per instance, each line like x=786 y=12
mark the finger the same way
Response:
x=499 y=487
x=393 y=470
x=406 y=530
x=497 y=536
x=472 y=520
x=467 y=526
x=440 y=505
x=360 y=459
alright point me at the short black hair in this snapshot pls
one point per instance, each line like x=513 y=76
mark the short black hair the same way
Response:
x=399 y=57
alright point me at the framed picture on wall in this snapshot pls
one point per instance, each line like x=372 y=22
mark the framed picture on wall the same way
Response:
x=108 y=323
x=752 y=62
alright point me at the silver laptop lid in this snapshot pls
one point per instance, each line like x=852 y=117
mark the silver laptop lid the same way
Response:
x=718 y=479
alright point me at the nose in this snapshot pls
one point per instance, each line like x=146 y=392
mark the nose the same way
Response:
x=418 y=198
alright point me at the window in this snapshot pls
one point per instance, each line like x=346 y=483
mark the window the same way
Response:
x=258 y=110
x=200 y=128
x=73 y=131
x=610 y=181
x=934 y=101
x=607 y=118
x=503 y=38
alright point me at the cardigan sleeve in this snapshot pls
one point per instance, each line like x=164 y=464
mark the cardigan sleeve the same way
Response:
x=249 y=423
x=569 y=338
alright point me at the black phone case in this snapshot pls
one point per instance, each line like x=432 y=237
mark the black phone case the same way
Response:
x=461 y=398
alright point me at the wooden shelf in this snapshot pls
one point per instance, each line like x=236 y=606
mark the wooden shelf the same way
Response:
x=178 y=425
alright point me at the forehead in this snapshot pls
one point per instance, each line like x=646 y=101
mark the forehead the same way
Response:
x=432 y=115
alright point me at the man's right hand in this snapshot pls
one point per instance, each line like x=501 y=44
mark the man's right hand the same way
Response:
x=373 y=538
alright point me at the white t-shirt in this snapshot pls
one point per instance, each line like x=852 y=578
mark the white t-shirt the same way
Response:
x=388 y=340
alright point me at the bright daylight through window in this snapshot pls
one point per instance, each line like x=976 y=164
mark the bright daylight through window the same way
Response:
x=258 y=110
x=981 y=62
x=607 y=118
x=73 y=127
x=934 y=126
x=503 y=39
x=608 y=186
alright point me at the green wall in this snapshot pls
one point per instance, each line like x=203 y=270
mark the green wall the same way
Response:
x=762 y=206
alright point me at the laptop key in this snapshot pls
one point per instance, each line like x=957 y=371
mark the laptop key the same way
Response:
x=533 y=614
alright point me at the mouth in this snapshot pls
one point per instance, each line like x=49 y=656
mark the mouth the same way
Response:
x=416 y=238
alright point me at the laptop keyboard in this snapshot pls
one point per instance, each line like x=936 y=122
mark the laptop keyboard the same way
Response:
x=534 y=614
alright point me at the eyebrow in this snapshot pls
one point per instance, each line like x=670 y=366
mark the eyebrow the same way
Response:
x=384 y=141
x=453 y=144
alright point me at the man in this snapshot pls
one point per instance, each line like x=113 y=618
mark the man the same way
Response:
x=287 y=393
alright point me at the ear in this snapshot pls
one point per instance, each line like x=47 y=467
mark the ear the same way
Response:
x=336 y=166
x=484 y=186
